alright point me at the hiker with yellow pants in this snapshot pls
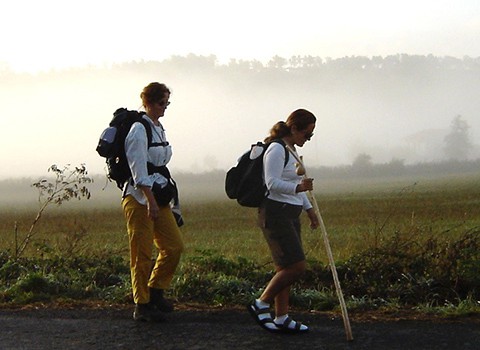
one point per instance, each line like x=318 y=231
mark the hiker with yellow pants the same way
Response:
x=146 y=203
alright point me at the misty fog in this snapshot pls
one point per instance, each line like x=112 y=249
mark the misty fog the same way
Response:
x=395 y=107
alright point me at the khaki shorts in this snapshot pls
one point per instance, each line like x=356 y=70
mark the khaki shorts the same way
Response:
x=280 y=223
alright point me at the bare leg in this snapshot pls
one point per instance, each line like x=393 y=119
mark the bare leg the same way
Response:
x=282 y=302
x=278 y=291
x=279 y=285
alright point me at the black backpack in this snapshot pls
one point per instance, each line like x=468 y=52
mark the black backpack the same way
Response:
x=244 y=182
x=112 y=143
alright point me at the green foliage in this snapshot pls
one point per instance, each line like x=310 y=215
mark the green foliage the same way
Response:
x=465 y=307
x=393 y=249
x=399 y=271
x=78 y=278
x=435 y=270
x=33 y=287
x=213 y=279
x=11 y=270
x=312 y=299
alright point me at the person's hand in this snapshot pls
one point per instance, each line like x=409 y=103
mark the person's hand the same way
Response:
x=314 y=220
x=305 y=185
x=153 y=210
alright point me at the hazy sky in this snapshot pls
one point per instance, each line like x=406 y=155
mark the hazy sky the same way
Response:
x=39 y=35
x=56 y=34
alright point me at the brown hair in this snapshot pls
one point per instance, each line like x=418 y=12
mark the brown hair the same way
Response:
x=153 y=92
x=301 y=119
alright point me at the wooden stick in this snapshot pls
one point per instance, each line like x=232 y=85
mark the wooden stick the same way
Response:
x=343 y=307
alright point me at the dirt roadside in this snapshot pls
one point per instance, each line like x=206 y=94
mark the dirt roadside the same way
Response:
x=193 y=328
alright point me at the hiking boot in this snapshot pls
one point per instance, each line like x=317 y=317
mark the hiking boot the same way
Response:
x=157 y=299
x=147 y=313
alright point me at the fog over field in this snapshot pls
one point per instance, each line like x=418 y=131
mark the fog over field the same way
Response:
x=394 y=107
x=385 y=80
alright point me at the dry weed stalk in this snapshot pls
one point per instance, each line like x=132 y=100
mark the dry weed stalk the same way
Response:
x=67 y=184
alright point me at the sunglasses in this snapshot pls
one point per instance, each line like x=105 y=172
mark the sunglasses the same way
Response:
x=163 y=103
x=308 y=136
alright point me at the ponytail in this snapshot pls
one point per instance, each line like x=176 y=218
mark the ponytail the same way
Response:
x=278 y=131
x=301 y=119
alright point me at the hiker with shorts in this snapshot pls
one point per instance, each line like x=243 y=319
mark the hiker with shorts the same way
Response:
x=146 y=206
x=279 y=219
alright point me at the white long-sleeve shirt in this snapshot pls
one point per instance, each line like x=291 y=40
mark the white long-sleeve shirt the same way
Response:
x=138 y=154
x=282 y=180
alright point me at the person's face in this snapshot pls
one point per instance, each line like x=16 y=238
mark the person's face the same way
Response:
x=157 y=109
x=302 y=136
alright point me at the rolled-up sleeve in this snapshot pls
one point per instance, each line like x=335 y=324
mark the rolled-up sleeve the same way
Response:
x=306 y=202
x=136 y=146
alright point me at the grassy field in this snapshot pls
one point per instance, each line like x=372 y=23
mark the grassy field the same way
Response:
x=403 y=243
x=358 y=215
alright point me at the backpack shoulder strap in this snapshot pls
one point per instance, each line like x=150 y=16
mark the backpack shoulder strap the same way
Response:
x=287 y=155
x=148 y=129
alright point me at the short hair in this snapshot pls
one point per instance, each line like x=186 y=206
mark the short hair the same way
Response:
x=153 y=92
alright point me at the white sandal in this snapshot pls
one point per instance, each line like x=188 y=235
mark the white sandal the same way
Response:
x=287 y=326
x=264 y=322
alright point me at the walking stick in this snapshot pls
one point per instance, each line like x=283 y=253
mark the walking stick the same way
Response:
x=346 y=320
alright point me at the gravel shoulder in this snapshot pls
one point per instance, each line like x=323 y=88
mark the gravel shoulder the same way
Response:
x=112 y=327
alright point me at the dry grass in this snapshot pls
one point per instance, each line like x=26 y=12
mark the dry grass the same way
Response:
x=356 y=219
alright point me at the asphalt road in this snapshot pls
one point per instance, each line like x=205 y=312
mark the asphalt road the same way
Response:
x=113 y=328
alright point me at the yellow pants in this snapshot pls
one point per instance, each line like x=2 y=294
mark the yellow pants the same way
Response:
x=143 y=234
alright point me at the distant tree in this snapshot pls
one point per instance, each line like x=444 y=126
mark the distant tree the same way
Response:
x=295 y=61
x=245 y=65
x=362 y=164
x=396 y=166
x=312 y=61
x=457 y=142
x=277 y=62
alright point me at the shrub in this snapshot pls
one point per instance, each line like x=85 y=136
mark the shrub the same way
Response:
x=403 y=268
x=212 y=278
x=400 y=270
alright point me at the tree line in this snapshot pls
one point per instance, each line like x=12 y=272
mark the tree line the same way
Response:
x=402 y=63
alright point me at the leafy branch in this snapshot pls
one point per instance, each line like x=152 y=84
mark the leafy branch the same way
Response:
x=67 y=184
